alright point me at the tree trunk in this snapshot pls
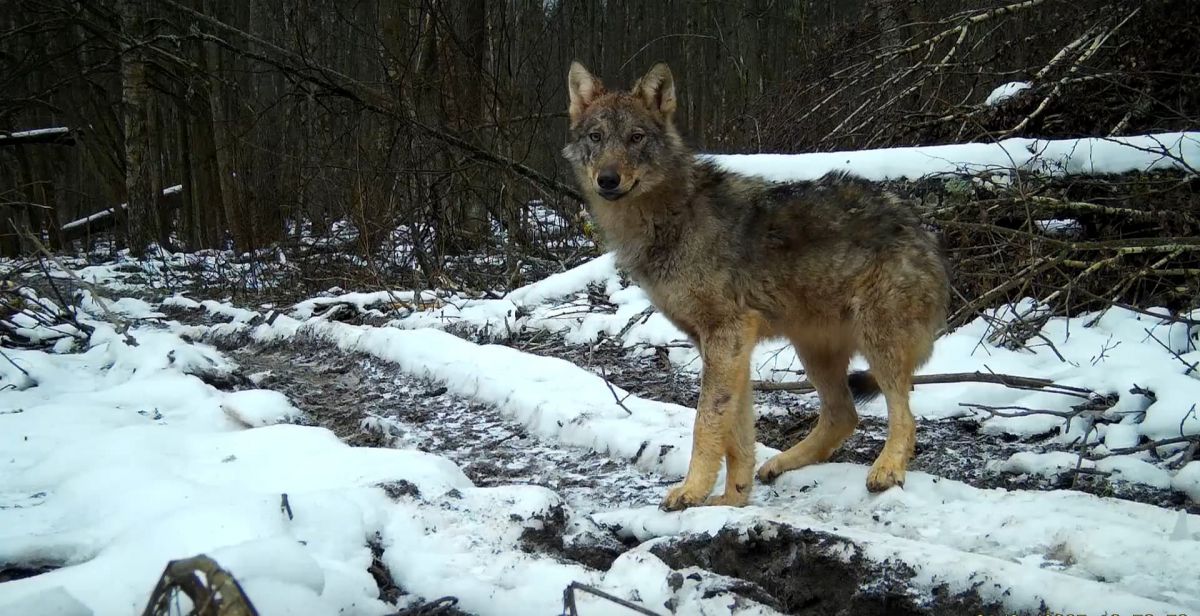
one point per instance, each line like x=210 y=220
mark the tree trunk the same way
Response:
x=230 y=182
x=135 y=105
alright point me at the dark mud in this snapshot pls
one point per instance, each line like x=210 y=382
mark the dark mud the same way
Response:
x=813 y=573
x=595 y=548
x=14 y=572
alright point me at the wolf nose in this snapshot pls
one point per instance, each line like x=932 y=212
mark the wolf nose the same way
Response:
x=608 y=180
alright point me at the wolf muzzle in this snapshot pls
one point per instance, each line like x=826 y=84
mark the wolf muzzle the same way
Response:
x=608 y=185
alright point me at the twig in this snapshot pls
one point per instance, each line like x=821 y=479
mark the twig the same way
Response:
x=1190 y=367
x=642 y=316
x=432 y=608
x=1022 y=411
x=974 y=19
x=570 y=609
x=619 y=400
x=10 y=360
x=1192 y=438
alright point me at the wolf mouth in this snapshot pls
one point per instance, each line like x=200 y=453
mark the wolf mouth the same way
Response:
x=613 y=195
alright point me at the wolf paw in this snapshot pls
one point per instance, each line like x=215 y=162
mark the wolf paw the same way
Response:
x=736 y=499
x=683 y=496
x=770 y=471
x=884 y=477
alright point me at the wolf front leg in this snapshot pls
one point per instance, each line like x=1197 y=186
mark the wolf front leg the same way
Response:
x=721 y=429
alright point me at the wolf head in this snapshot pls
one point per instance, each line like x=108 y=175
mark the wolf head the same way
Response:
x=623 y=144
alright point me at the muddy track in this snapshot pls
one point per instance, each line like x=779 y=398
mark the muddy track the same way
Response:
x=369 y=402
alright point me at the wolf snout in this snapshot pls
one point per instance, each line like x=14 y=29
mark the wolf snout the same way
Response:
x=608 y=180
x=608 y=185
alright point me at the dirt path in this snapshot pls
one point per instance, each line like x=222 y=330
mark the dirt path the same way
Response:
x=370 y=402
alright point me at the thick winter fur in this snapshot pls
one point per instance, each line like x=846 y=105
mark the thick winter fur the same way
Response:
x=834 y=265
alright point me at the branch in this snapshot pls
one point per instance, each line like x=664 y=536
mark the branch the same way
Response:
x=1008 y=380
x=570 y=608
x=46 y=136
x=974 y=19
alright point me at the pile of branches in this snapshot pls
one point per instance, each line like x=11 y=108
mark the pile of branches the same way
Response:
x=921 y=73
x=32 y=317
x=1074 y=244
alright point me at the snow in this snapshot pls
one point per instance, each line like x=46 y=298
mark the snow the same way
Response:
x=1006 y=91
x=450 y=544
x=129 y=307
x=1049 y=464
x=553 y=398
x=1178 y=150
x=1060 y=227
x=361 y=301
x=54 y=601
x=118 y=461
x=59 y=130
x=1187 y=480
x=987 y=529
x=258 y=407
x=1131 y=469
x=132 y=421
x=560 y=304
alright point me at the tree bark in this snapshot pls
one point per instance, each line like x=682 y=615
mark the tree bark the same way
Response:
x=135 y=105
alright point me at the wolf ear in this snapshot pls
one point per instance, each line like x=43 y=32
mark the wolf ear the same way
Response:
x=583 y=88
x=657 y=89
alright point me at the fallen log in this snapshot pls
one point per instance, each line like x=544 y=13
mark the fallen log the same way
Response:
x=106 y=219
x=45 y=136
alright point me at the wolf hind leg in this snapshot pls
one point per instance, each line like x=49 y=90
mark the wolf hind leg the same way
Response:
x=825 y=365
x=894 y=352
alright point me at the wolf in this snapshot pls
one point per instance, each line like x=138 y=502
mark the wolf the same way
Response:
x=835 y=266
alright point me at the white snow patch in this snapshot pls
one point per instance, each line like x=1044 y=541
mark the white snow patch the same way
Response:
x=258 y=407
x=363 y=302
x=1064 y=227
x=1050 y=464
x=1180 y=150
x=1006 y=91
x=1187 y=480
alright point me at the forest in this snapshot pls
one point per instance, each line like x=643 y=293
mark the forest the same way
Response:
x=303 y=310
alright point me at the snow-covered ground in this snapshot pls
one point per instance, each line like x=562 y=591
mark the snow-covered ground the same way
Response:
x=120 y=458
x=117 y=455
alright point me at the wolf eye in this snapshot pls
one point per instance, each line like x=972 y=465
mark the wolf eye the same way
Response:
x=637 y=137
x=594 y=136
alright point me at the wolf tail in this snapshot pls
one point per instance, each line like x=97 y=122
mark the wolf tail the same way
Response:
x=863 y=386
